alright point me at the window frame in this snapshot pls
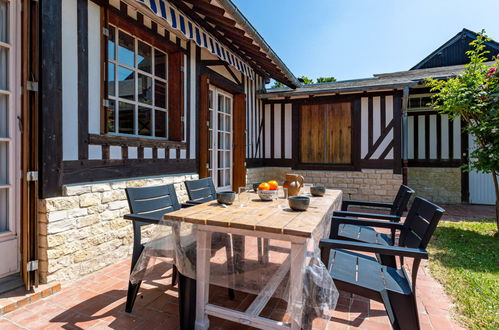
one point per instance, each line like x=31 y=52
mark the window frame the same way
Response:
x=149 y=35
x=136 y=72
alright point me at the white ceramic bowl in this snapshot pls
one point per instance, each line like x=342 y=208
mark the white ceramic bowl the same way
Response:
x=267 y=195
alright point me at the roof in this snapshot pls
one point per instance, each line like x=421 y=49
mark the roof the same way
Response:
x=382 y=81
x=224 y=20
x=453 y=52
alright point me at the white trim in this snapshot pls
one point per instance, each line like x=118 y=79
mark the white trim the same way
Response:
x=94 y=68
x=277 y=131
x=214 y=130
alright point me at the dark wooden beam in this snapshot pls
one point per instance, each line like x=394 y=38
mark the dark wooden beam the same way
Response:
x=51 y=98
x=82 y=32
x=213 y=62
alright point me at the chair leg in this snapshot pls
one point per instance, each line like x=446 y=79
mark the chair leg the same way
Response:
x=174 y=275
x=187 y=302
x=402 y=310
x=133 y=290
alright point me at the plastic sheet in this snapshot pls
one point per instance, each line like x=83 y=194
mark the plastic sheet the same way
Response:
x=248 y=264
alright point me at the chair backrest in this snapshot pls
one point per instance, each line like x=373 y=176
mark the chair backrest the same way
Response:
x=421 y=221
x=401 y=200
x=202 y=190
x=153 y=202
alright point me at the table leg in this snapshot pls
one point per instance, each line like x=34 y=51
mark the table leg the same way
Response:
x=296 y=283
x=202 y=278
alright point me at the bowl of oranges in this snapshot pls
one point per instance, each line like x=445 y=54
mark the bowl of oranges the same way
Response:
x=267 y=191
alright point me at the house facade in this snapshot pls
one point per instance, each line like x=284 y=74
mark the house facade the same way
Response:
x=101 y=95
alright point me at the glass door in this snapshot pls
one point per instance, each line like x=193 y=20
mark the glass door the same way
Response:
x=220 y=138
x=9 y=247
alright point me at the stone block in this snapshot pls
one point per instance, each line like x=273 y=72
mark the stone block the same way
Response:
x=117 y=205
x=101 y=187
x=75 y=190
x=87 y=220
x=60 y=226
x=56 y=216
x=90 y=199
x=59 y=203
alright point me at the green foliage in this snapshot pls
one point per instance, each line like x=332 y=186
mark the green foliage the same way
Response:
x=463 y=257
x=277 y=84
x=473 y=96
x=321 y=80
x=306 y=81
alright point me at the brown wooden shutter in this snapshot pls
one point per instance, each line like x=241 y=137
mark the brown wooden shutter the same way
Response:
x=203 y=126
x=175 y=96
x=239 y=142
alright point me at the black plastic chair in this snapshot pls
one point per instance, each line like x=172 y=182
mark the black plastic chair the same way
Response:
x=365 y=276
x=148 y=205
x=201 y=191
x=366 y=234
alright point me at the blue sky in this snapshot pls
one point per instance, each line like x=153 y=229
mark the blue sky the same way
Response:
x=351 y=39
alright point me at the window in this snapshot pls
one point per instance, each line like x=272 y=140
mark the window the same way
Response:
x=420 y=102
x=326 y=134
x=137 y=87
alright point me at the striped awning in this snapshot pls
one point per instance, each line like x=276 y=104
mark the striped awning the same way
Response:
x=177 y=20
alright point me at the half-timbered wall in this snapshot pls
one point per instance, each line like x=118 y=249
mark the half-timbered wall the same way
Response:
x=433 y=138
x=375 y=125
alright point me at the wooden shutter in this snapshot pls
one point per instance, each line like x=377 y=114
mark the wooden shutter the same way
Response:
x=203 y=126
x=325 y=135
x=175 y=96
x=239 y=142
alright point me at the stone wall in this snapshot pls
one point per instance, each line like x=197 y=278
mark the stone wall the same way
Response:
x=368 y=184
x=84 y=230
x=437 y=184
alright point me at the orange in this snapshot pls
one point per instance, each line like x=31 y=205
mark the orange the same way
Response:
x=273 y=185
x=264 y=186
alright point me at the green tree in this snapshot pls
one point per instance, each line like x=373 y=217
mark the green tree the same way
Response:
x=277 y=84
x=321 y=80
x=474 y=96
x=306 y=80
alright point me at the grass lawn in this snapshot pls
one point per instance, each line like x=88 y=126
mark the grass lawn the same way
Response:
x=464 y=257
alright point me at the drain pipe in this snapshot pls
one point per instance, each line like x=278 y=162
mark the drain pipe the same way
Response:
x=405 y=134
x=232 y=9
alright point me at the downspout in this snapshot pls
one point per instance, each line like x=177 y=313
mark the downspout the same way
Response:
x=232 y=9
x=405 y=134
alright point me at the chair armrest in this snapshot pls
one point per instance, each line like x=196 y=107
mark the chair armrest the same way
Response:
x=374 y=248
x=390 y=217
x=187 y=204
x=141 y=218
x=367 y=222
x=346 y=203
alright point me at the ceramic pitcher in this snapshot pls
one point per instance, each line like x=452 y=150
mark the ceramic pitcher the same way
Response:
x=293 y=182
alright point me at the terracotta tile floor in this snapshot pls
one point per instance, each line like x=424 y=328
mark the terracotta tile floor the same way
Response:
x=98 y=301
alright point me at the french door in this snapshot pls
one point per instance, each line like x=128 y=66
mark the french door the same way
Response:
x=220 y=138
x=9 y=135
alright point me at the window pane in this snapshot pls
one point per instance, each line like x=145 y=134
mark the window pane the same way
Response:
x=228 y=105
x=144 y=57
x=414 y=103
x=145 y=121
x=4 y=163
x=145 y=89
x=126 y=49
x=220 y=159
x=160 y=94
x=4 y=21
x=220 y=140
x=126 y=83
x=111 y=117
x=126 y=118
x=111 y=51
x=220 y=122
x=159 y=64
x=227 y=141
x=425 y=101
x=227 y=159
x=220 y=174
x=4 y=210
x=4 y=59
x=160 y=123
x=228 y=123
x=227 y=177
x=210 y=96
x=110 y=79
x=220 y=103
x=4 y=117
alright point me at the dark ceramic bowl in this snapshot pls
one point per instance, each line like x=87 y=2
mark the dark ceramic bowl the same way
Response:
x=299 y=203
x=226 y=197
x=318 y=191
x=255 y=186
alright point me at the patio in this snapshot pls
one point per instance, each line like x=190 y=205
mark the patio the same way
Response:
x=98 y=301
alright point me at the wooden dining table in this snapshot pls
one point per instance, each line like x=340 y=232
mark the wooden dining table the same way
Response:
x=266 y=220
